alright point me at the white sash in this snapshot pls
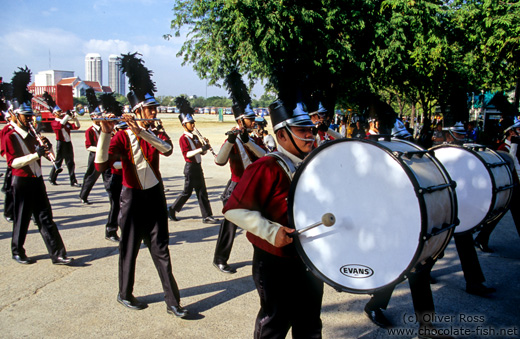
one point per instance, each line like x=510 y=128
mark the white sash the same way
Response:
x=145 y=174
x=35 y=168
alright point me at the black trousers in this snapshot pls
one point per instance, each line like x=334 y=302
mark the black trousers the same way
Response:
x=290 y=296
x=144 y=218
x=514 y=208
x=91 y=176
x=226 y=234
x=8 y=199
x=64 y=151
x=420 y=290
x=30 y=198
x=114 y=194
x=468 y=258
x=194 y=180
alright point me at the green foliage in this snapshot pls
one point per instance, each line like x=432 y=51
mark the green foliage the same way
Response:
x=407 y=51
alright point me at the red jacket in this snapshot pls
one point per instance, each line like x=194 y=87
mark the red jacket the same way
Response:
x=264 y=187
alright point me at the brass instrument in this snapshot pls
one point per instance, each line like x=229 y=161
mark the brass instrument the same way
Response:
x=203 y=141
x=50 y=156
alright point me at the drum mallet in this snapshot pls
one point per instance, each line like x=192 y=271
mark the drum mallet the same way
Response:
x=328 y=219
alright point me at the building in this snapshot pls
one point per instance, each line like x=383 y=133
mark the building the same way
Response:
x=116 y=78
x=51 y=77
x=93 y=68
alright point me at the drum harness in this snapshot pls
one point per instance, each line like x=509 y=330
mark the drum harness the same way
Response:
x=285 y=163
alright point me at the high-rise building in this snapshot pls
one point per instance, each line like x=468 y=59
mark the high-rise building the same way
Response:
x=93 y=67
x=116 y=78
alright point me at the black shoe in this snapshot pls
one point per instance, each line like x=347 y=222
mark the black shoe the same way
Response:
x=62 y=261
x=378 y=318
x=171 y=215
x=75 y=184
x=53 y=182
x=178 y=311
x=112 y=237
x=85 y=201
x=210 y=220
x=225 y=268
x=132 y=303
x=23 y=259
x=483 y=247
x=8 y=218
x=480 y=289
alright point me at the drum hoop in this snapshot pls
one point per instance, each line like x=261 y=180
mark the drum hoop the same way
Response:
x=488 y=216
x=422 y=208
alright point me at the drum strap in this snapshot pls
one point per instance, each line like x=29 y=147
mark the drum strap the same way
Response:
x=285 y=163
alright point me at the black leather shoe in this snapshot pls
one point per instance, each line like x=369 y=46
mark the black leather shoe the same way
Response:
x=480 y=289
x=112 y=237
x=178 y=311
x=225 y=268
x=22 y=259
x=378 y=318
x=53 y=182
x=62 y=261
x=8 y=218
x=132 y=303
x=171 y=215
x=85 y=201
x=483 y=247
x=75 y=184
x=210 y=220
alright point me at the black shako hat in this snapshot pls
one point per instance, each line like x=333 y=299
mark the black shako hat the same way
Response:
x=22 y=96
x=142 y=88
x=240 y=95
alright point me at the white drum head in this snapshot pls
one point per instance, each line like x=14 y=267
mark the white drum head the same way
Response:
x=474 y=184
x=378 y=215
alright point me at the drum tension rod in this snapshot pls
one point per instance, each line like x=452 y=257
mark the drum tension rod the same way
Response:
x=436 y=231
x=504 y=188
x=496 y=164
x=431 y=189
x=408 y=155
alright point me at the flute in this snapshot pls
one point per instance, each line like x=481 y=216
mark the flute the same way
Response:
x=122 y=118
x=203 y=141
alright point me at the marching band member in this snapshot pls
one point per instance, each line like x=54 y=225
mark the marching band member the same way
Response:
x=143 y=216
x=241 y=150
x=258 y=204
x=29 y=194
x=62 y=125
x=509 y=146
x=320 y=119
x=192 y=149
x=114 y=194
x=6 y=187
x=91 y=140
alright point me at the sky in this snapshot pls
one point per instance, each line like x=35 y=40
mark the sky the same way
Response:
x=57 y=34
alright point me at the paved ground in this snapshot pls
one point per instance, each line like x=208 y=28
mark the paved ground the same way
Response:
x=79 y=301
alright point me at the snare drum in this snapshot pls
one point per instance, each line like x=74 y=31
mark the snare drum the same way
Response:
x=484 y=183
x=394 y=204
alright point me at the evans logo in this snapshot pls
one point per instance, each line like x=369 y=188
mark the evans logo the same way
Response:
x=356 y=271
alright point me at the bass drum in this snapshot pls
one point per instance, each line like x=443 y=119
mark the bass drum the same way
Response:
x=484 y=182
x=395 y=209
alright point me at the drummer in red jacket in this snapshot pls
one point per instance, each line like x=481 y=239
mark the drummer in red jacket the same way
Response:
x=259 y=205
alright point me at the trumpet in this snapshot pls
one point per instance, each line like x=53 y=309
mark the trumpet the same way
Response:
x=203 y=141
x=50 y=156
